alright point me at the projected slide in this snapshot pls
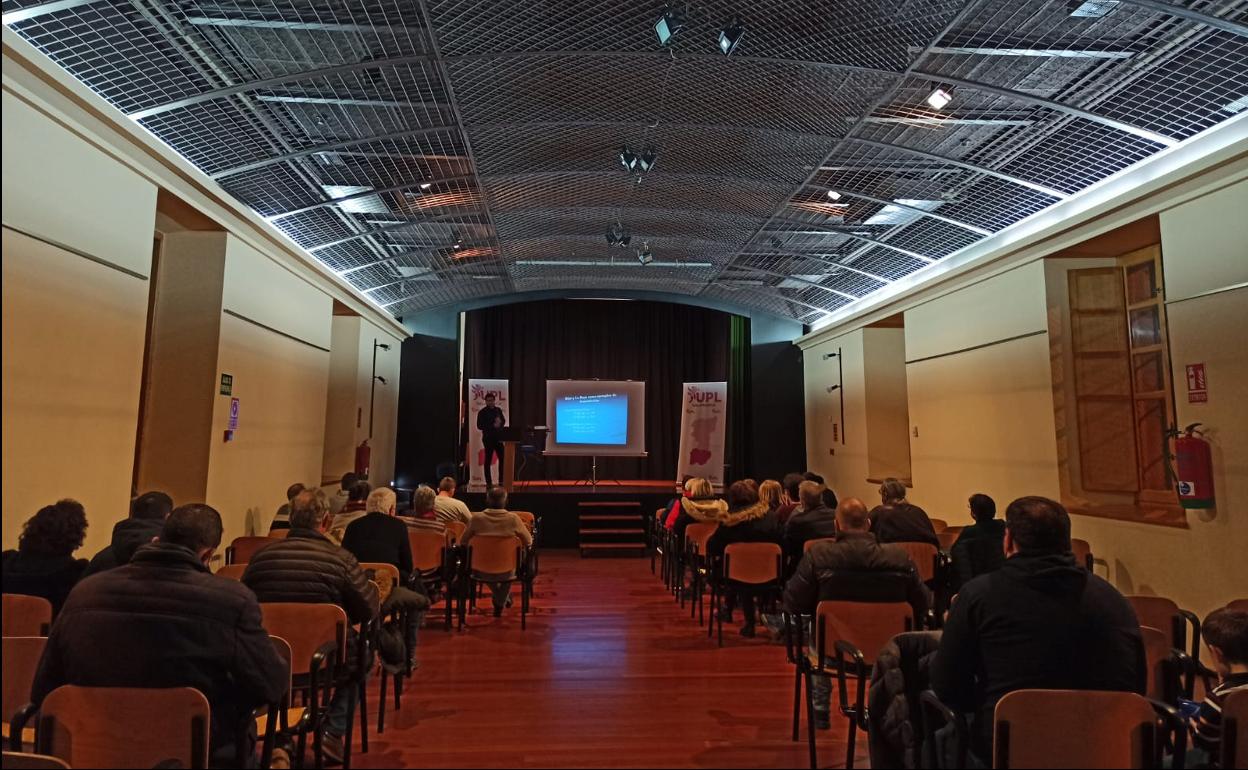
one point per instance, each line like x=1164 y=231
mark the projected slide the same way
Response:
x=597 y=419
x=600 y=418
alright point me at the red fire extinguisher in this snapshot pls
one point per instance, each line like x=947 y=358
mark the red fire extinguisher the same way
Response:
x=362 y=455
x=1195 y=469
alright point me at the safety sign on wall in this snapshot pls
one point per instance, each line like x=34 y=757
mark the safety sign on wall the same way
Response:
x=1197 y=384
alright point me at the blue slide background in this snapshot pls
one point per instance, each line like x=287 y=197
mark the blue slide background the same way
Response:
x=592 y=420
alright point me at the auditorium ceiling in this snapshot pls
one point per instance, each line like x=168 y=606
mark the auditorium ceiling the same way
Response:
x=438 y=152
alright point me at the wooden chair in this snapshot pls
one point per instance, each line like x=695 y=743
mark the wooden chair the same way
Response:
x=940 y=525
x=385 y=575
x=1075 y=728
x=528 y=518
x=1161 y=613
x=279 y=533
x=756 y=566
x=1235 y=730
x=433 y=565
x=316 y=635
x=494 y=555
x=925 y=557
x=455 y=531
x=1083 y=553
x=124 y=726
x=947 y=539
x=26 y=615
x=231 y=571
x=243 y=548
x=21 y=656
x=656 y=529
x=18 y=760
x=697 y=535
x=1162 y=667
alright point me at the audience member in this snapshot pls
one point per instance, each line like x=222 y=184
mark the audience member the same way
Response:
x=790 y=496
x=896 y=520
x=282 y=519
x=1226 y=633
x=343 y=494
x=308 y=567
x=979 y=548
x=378 y=536
x=1039 y=622
x=356 y=507
x=770 y=493
x=851 y=569
x=748 y=520
x=425 y=515
x=671 y=511
x=147 y=518
x=446 y=505
x=163 y=620
x=44 y=563
x=497 y=520
x=829 y=497
x=699 y=505
x=812 y=521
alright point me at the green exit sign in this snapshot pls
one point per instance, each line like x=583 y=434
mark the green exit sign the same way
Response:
x=227 y=384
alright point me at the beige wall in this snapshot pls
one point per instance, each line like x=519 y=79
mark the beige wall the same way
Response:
x=888 y=424
x=350 y=394
x=343 y=420
x=843 y=465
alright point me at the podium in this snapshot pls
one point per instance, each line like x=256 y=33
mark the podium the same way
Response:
x=512 y=438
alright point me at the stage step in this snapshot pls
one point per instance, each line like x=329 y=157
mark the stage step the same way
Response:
x=611 y=531
x=607 y=517
x=620 y=522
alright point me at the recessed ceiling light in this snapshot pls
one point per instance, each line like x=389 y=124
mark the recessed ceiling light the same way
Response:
x=834 y=195
x=1236 y=106
x=939 y=98
x=426 y=186
x=1091 y=9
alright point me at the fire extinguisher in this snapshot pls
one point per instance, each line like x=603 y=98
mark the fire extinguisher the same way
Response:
x=1195 y=468
x=362 y=456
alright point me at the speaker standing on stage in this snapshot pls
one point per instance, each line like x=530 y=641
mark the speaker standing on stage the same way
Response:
x=490 y=422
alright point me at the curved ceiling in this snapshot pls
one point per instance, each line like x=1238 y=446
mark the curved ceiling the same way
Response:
x=441 y=151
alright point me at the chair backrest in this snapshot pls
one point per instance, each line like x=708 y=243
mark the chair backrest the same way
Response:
x=243 y=548
x=305 y=628
x=282 y=648
x=869 y=626
x=20 y=760
x=427 y=549
x=753 y=563
x=924 y=557
x=385 y=575
x=231 y=571
x=279 y=533
x=1235 y=730
x=125 y=726
x=26 y=615
x=814 y=541
x=697 y=535
x=1157 y=650
x=940 y=525
x=494 y=554
x=528 y=518
x=1158 y=612
x=21 y=658
x=947 y=539
x=455 y=531
x=1083 y=552
x=1096 y=729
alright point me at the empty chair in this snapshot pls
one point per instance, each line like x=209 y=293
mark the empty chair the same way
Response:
x=26 y=615
x=750 y=568
x=1083 y=552
x=696 y=537
x=21 y=657
x=124 y=726
x=243 y=548
x=489 y=556
x=1074 y=728
x=1162 y=613
x=231 y=571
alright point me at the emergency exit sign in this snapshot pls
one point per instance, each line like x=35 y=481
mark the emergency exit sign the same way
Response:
x=1197 y=384
x=227 y=384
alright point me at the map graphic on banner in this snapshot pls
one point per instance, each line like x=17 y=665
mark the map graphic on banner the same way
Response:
x=703 y=418
x=477 y=391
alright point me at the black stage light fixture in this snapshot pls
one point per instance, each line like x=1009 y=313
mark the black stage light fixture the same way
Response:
x=628 y=159
x=671 y=22
x=647 y=159
x=625 y=239
x=730 y=38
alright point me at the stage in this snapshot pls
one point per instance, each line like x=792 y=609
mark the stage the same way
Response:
x=606 y=518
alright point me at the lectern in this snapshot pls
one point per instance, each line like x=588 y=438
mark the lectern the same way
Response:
x=511 y=438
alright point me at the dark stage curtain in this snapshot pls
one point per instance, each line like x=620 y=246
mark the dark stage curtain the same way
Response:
x=663 y=344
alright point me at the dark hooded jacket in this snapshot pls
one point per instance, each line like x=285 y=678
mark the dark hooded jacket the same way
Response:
x=38 y=574
x=753 y=524
x=900 y=675
x=803 y=525
x=129 y=535
x=1038 y=622
x=903 y=523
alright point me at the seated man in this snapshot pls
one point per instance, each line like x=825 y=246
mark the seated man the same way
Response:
x=307 y=567
x=425 y=516
x=356 y=507
x=379 y=536
x=446 y=506
x=497 y=520
x=979 y=548
x=897 y=520
x=836 y=571
x=281 y=520
x=147 y=518
x=164 y=621
x=812 y=521
x=790 y=496
x=343 y=494
x=1038 y=622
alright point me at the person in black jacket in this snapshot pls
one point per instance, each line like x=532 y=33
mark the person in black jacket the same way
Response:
x=163 y=621
x=379 y=537
x=854 y=568
x=147 y=518
x=812 y=521
x=44 y=564
x=1039 y=622
x=896 y=520
x=307 y=567
x=490 y=421
x=980 y=548
x=748 y=520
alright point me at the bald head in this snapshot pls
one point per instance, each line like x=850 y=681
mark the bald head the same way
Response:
x=851 y=516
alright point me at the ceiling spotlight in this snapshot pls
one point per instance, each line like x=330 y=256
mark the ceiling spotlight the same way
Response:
x=643 y=254
x=939 y=98
x=618 y=236
x=625 y=239
x=427 y=186
x=731 y=37
x=628 y=158
x=834 y=195
x=671 y=22
x=647 y=159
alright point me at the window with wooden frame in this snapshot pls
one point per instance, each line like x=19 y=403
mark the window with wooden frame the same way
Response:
x=1123 y=396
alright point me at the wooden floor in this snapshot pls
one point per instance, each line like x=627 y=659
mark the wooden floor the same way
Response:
x=610 y=673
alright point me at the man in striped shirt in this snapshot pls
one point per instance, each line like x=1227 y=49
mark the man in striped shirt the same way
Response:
x=1226 y=633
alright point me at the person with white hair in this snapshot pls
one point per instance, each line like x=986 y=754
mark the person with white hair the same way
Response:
x=378 y=536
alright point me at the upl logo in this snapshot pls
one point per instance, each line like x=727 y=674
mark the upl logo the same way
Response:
x=696 y=395
x=479 y=393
